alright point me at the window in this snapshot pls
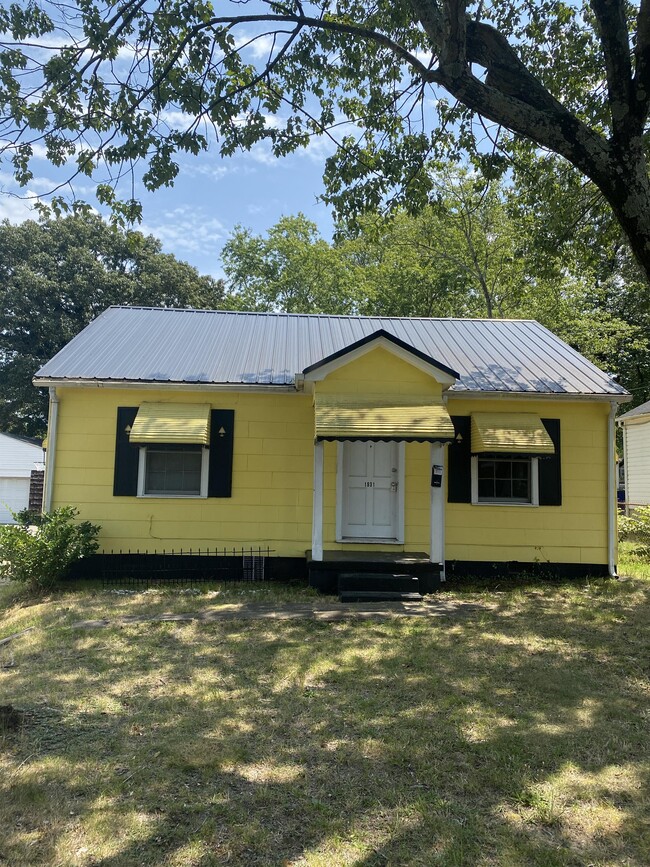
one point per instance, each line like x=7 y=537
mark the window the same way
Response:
x=173 y=471
x=505 y=480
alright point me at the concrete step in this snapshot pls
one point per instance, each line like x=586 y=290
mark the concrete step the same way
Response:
x=378 y=581
x=378 y=596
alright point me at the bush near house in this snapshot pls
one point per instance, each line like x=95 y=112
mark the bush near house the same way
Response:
x=38 y=555
x=635 y=528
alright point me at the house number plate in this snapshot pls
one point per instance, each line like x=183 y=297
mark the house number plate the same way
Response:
x=370 y=484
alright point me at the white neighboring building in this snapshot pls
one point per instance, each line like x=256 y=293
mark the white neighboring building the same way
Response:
x=636 y=455
x=18 y=457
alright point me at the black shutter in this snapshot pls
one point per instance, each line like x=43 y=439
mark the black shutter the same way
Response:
x=125 y=480
x=222 y=424
x=459 y=486
x=550 y=468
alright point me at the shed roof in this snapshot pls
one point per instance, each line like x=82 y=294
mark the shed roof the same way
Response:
x=637 y=412
x=145 y=344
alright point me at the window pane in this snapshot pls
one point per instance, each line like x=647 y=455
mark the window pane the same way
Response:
x=486 y=488
x=520 y=469
x=486 y=469
x=520 y=489
x=504 y=479
x=173 y=472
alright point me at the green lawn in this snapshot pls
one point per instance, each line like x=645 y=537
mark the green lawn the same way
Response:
x=517 y=735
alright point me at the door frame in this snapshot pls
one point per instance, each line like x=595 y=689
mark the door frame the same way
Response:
x=401 y=477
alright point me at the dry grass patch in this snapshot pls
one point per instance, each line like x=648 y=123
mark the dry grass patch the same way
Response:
x=517 y=735
x=75 y=601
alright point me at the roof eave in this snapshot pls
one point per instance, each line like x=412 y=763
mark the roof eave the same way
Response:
x=149 y=384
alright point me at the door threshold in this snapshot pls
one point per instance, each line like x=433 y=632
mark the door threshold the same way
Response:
x=350 y=540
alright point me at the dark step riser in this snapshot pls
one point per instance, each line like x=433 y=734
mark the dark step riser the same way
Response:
x=375 y=581
x=376 y=568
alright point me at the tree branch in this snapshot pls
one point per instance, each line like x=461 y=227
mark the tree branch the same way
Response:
x=331 y=25
x=453 y=51
x=642 y=63
x=612 y=30
x=511 y=95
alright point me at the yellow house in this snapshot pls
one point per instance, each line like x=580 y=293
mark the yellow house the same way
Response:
x=336 y=444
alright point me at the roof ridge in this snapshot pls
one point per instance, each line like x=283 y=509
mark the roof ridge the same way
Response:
x=318 y=315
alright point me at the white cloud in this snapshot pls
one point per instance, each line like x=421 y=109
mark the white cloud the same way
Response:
x=207 y=170
x=262 y=153
x=186 y=230
x=16 y=209
x=177 y=119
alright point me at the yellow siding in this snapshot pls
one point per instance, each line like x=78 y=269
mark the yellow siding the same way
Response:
x=273 y=476
x=576 y=531
x=379 y=372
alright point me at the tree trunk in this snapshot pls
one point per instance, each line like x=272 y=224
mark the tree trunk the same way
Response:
x=627 y=189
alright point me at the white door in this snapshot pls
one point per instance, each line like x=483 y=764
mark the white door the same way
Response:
x=369 y=491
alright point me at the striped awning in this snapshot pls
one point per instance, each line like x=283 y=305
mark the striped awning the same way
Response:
x=382 y=417
x=172 y=423
x=512 y=432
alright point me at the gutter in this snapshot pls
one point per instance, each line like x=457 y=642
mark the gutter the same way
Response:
x=152 y=385
x=535 y=395
x=612 y=505
x=50 y=454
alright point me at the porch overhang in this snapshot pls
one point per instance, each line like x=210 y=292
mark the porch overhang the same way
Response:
x=381 y=417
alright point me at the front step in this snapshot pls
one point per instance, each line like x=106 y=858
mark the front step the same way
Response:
x=378 y=581
x=378 y=596
x=378 y=587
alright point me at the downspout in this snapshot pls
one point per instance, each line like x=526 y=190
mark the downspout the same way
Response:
x=50 y=455
x=611 y=490
x=626 y=481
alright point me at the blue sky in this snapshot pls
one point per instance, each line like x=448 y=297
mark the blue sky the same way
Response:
x=210 y=197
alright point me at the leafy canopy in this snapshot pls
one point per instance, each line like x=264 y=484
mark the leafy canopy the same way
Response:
x=55 y=277
x=99 y=87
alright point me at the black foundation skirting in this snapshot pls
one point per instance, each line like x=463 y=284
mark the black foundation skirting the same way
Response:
x=187 y=568
x=484 y=569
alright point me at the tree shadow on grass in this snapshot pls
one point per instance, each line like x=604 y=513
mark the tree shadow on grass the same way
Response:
x=491 y=740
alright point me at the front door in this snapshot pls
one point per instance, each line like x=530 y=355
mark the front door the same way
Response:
x=369 y=495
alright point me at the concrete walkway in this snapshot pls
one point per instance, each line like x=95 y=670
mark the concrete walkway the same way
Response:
x=321 y=611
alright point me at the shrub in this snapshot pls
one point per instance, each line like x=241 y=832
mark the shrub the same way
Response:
x=38 y=556
x=636 y=528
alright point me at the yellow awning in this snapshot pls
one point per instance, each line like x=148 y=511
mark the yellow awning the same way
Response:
x=172 y=423
x=390 y=417
x=514 y=432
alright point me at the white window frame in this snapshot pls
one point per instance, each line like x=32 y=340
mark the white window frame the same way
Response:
x=534 y=485
x=142 y=466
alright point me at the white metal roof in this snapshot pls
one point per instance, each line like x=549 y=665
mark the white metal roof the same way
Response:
x=139 y=344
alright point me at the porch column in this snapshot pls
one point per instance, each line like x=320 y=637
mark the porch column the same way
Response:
x=437 y=534
x=317 y=511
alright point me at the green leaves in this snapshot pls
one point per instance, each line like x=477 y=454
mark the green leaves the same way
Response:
x=39 y=556
x=58 y=275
